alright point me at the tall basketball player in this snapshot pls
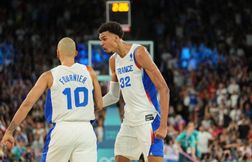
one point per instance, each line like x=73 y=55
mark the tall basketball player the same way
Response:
x=139 y=81
x=69 y=107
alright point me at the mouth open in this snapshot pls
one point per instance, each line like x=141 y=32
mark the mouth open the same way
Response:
x=107 y=51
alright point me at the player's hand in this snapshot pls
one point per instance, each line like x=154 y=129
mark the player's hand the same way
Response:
x=161 y=132
x=7 y=140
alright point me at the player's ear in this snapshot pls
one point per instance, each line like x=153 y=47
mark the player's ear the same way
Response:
x=76 y=53
x=58 y=54
x=117 y=38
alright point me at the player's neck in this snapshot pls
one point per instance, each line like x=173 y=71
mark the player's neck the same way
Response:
x=67 y=62
x=123 y=49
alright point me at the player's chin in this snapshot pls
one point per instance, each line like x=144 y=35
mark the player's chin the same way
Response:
x=108 y=51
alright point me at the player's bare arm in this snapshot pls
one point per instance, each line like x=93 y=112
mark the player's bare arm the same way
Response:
x=44 y=82
x=114 y=91
x=144 y=60
x=97 y=89
x=112 y=68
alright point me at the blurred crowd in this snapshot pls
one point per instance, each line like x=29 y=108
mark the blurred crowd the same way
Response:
x=206 y=63
x=201 y=47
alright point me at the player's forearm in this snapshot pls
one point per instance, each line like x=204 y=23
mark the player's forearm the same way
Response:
x=19 y=117
x=98 y=98
x=99 y=104
x=113 y=94
x=109 y=99
x=164 y=105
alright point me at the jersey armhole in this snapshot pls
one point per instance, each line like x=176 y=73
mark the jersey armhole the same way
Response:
x=115 y=56
x=52 y=85
x=134 y=55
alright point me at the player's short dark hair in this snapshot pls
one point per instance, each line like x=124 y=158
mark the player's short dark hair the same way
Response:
x=112 y=27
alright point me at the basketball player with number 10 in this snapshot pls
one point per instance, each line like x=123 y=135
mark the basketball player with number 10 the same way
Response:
x=72 y=92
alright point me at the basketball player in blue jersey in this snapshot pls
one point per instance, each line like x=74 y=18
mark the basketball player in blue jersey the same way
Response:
x=145 y=119
x=69 y=107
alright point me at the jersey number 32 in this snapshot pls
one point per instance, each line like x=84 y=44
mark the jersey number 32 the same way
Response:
x=125 y=82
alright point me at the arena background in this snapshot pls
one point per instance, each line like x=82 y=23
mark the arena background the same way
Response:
x=202 y=47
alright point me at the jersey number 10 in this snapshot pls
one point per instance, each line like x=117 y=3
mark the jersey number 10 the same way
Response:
x=77 y=92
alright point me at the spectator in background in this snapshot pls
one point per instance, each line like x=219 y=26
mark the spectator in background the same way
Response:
x=207 y=121
x=203 y=139
x=246 y=151
x=243 y=127
x=19 y=134
x=233 y=87
x=37 y=147
x=250 y=134
x=19 y=150
x=221 y=94
x=171 y=151
x=187 y=141
x=40 y=132
x=248 y=110
x=235 y=114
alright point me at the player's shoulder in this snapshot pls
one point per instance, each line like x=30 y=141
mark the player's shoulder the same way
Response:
x=112 y=59
x=78 y=65
x=56 y=69
x=46 y=74
x=140 y=49
x=47 y=77
x=136 y=45
x=140 y=52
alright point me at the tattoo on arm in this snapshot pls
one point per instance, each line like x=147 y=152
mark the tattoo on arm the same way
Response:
x=12 y=127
